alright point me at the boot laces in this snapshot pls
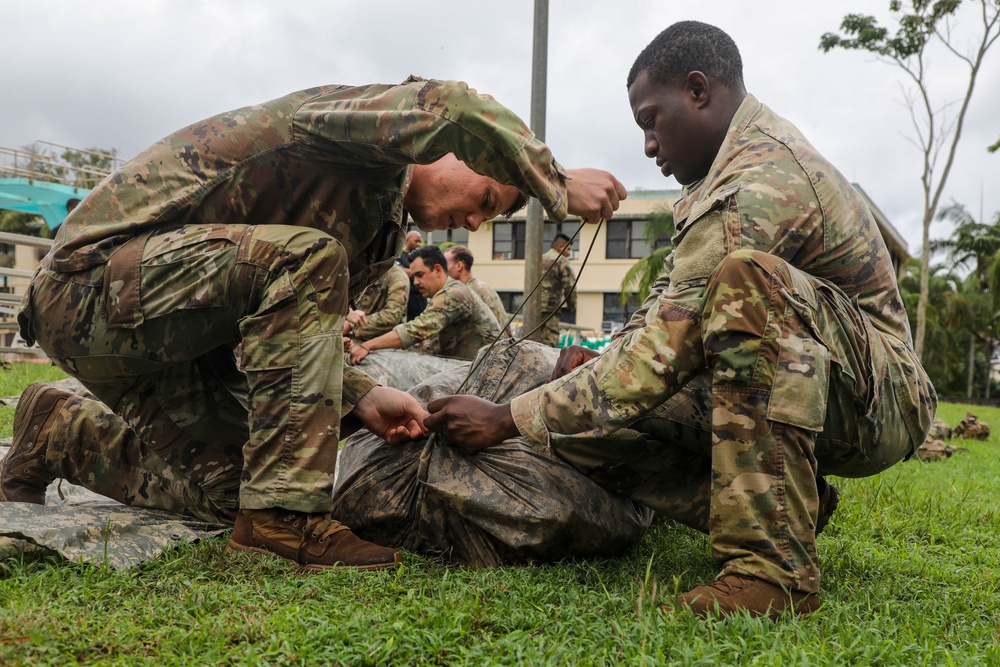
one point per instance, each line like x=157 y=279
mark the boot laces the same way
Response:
x=321 y=527
x=727 y=585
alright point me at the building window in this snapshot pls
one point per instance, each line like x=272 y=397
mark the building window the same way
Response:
x=511 y=300
x=8 y=255
x=626 y=240
x=454 y=236
x=568 y=228
x=616 y=314
x=508 y=240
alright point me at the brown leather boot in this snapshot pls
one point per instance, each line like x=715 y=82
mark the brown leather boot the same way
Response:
x=732 y=593
x=829 y=498
x=23 y=474
x=314 y=541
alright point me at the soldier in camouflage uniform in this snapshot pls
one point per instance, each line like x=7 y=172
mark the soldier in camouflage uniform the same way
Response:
x=243 y=236
x=773 y=350
x=557 y=284
x=460 y=261
x=380 y=307
x=416 y=302
x=455 y=315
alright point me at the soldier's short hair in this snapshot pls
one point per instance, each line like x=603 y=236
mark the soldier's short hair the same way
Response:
x=689 y=46
x=561 y=239
x=519 y=203
x=430 y=255
x=461 y=253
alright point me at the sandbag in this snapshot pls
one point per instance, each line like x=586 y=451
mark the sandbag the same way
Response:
x=405 y=369
x=507 y=504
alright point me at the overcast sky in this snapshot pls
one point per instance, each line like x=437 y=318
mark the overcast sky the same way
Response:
x=110 y=74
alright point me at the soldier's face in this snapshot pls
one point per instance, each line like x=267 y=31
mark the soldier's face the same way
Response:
x=428 y=280
x=453 y=269
x=675 y=123
x=413 y=241
x=448 y=195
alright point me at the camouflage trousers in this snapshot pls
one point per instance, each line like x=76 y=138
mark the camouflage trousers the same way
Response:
x=506 y=504
x=154 y=335
x=548 y=333
x=789 y=380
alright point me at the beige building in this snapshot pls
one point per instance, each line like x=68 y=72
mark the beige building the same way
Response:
x=498 y=249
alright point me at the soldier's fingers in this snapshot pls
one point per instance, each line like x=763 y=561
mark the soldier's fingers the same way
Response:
x=619 y=190
x=400 y=434
x=437 y=419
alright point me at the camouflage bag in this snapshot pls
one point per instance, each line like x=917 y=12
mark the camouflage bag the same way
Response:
x=505 y=504
x=405 y=369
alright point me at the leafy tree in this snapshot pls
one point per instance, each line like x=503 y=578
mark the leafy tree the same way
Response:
x=79 y=167
x=90 y=165
x=18 y=222
x=944 y=339
x=975 y=306
x=642 y=275
x=922 y=23
x=973 y=245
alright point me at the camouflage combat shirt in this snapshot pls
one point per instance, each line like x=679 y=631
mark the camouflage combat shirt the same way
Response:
x=490 y=298
x=557 y=283
x=768 y=190
x=335 y=158
x=458 y=318
x=384 y=304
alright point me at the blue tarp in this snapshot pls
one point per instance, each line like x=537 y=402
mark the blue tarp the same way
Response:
x=39 y=197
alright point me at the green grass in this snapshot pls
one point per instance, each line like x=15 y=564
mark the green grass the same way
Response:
x=910 y=567
x=14 y=379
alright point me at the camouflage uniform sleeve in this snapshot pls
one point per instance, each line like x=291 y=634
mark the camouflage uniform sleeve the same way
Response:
x=638 y=319
x=392 y=313
x=420 y=121
x=493 y=302
x=356 y=385
x=442 y=310
x=629 y=378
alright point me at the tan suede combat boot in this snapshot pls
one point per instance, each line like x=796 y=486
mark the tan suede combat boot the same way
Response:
x=732 y=593
x=314 y=541
x=23 y=474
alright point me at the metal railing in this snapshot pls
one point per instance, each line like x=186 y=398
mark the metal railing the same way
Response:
x=38 y=165
x=10 y=301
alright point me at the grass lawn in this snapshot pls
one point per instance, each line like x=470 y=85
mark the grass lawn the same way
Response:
x=910 y=566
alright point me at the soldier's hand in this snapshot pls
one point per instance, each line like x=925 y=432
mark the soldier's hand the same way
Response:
x=358 y=353
x=348 y=344
x=593 y=194
x=571 y=357
x=470 y=422
x=391 y=414
x=356 y=317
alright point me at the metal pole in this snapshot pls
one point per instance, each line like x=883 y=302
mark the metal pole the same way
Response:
x=535 y=224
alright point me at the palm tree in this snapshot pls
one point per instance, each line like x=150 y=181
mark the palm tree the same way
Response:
x=642 y=275
x=975 y=303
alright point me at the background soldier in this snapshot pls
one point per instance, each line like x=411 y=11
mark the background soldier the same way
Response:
x=774 y=349
x=416 y=302
x=252 y=229
x=455 y=315
x=557 y=284
x=460 y=268
x=380 y=307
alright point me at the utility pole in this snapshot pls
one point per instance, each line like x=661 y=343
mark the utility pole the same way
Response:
x=534 y=226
